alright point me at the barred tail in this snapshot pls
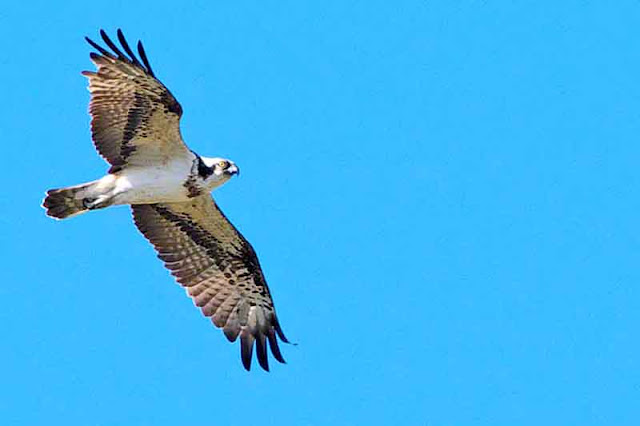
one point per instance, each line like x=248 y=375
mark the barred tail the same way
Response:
x=67 y=202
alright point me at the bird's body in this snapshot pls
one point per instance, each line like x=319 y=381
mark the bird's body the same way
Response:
x=135 y=127
x=158 y=183
x=154 y=184
x=176 y=180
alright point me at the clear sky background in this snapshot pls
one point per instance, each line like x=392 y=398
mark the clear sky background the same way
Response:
x=444 y=197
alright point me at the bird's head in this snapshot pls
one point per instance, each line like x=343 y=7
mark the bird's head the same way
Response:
x=216 y=171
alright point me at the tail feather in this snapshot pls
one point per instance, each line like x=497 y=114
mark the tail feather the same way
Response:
x=67 y=202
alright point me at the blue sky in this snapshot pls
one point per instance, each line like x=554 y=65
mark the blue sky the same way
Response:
x=444 y=197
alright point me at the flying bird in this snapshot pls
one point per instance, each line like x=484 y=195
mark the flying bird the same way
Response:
x=135 y=127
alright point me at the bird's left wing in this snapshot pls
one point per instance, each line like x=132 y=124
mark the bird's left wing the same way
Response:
x=135 y=118
x=219 y=269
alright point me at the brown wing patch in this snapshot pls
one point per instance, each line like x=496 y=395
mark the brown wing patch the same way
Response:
x=135 y=118
x=219 y=269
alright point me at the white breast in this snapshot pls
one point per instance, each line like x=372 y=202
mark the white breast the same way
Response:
x=153 y=184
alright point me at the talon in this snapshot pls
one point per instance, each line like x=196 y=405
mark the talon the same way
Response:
x=88 y=203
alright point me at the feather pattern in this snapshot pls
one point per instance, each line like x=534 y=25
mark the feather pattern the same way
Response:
x=135 y=118
x=136 y=127
x=219 y=269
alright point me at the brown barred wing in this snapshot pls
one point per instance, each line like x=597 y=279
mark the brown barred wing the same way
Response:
x=135 y=118
x=219 y=269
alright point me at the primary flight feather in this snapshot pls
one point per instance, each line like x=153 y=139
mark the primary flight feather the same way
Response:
x=135 y=127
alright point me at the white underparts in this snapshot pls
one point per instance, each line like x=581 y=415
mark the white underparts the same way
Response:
x=155 y=184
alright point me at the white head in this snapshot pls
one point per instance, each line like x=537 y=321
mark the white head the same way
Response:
x=216 y=171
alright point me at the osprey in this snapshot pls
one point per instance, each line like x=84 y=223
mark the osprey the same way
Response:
x=135 y=127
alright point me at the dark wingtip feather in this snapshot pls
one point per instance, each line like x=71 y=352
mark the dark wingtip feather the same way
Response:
x=246 y=350
x=276 y=325
x=125 y=45
x=112 y=45
x=261 y=352
x=99 y=48
x=143 y=56
x=130 y=57
x=275 y=349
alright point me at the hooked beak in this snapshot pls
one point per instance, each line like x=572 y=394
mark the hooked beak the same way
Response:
x=233 y=170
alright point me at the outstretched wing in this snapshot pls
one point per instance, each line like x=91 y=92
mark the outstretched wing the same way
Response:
x=135 y=119
x=219 y=269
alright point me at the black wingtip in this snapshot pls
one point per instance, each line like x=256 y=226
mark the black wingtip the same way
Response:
x=130 y=56
x=125 y=45
x=246 y=364
x=261 y=352
x=275 y=349
x=246 y=351
x=143 y=56
x=99 y=48
x=279 y=330
x=112 y=46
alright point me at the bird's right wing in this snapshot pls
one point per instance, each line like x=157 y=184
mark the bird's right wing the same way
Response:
x=219 y=269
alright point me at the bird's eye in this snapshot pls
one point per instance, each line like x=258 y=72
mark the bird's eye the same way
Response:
x=223 y=164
